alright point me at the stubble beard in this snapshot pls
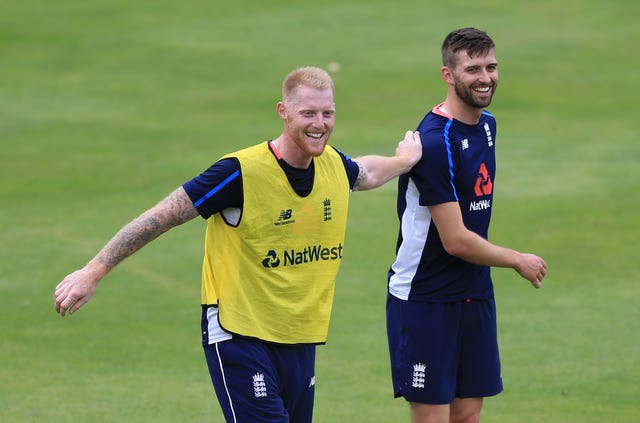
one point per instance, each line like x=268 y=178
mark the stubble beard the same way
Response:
x=466 y=95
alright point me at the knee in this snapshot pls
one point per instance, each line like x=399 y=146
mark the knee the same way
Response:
x=466 y=410
x=472 y=418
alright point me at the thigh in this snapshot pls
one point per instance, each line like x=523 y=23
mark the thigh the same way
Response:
x=246 y=381
x=429 y=413
x=423 y=349
x=297 y=382
x=479 y=370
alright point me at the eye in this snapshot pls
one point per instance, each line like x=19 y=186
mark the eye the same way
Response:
x=329 y=113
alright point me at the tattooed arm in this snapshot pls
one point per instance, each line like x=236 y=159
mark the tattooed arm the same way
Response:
x=78 y=287
x=378 y=170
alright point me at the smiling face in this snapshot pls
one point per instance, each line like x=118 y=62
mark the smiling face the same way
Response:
x=474 y=78
x=470 y=70
x=308 y=116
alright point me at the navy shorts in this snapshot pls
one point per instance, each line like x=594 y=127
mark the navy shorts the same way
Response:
x=261 y=382
x=442 y=351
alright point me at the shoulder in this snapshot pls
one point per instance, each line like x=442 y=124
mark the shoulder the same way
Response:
x=487 y=114
x=337 y=155
x=252 y=151
x=488 y=118
x=351 y=167
x=223 y=171
x=488 y=122
x=217 y=188
x=435 y=128
x=434 y=120
x=334 y=151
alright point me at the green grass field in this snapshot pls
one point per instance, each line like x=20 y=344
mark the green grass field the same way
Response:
x=106 y=106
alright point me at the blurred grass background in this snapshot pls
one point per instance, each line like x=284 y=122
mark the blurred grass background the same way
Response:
x=106 y=106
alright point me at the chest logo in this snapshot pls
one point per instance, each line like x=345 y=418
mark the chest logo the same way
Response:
x=484 y=185
x=327 y=209
x=285 y=218
x=271 y=260
x=487 y=130
x=308 y=254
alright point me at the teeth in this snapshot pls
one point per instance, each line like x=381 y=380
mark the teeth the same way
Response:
x=314 y=135
x=482 y=89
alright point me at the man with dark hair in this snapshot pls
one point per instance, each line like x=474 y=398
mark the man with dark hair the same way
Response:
x=441 y=316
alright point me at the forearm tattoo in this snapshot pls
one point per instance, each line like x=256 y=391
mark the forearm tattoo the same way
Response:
x=174 y=210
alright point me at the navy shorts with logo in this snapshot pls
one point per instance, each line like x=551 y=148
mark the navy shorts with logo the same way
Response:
x=261 y=382
x=442 y=351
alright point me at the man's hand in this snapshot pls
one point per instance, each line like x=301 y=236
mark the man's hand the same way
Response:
x=532 y=268
x=75 y=290
x=378 y=170
x=410 y=148
x=78 y=287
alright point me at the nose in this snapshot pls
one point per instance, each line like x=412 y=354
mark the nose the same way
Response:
x=488 y=74
x=319 y=120
x=484 y=76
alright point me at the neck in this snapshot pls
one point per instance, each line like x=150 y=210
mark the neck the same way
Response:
x=461 y=111
x=290 y=153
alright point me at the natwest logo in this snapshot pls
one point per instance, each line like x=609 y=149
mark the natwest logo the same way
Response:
x=309 y=254
x=483 y=186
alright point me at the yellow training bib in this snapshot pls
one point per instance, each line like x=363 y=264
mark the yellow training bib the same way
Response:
x=273 y=274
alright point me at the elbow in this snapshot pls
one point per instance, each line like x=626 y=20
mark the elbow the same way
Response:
x=451 y=249
x=455 y=248
x=370 y=182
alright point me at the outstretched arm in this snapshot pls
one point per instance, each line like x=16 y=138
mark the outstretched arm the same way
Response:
x=469 y=246
x=78 y=287
x=378 y=170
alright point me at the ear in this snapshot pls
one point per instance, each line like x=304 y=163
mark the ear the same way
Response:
x=447 y=75
x=282 y=110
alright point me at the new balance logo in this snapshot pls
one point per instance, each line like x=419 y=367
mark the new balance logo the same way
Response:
x=285 y=214
x=285 y=218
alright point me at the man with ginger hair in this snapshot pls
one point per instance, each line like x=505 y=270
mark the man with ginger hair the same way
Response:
x=276 y=216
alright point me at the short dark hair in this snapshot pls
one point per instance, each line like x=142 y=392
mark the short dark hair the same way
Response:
x=473 y=41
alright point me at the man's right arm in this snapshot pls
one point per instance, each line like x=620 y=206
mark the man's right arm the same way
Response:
x=78 y=287
x=459 y=241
